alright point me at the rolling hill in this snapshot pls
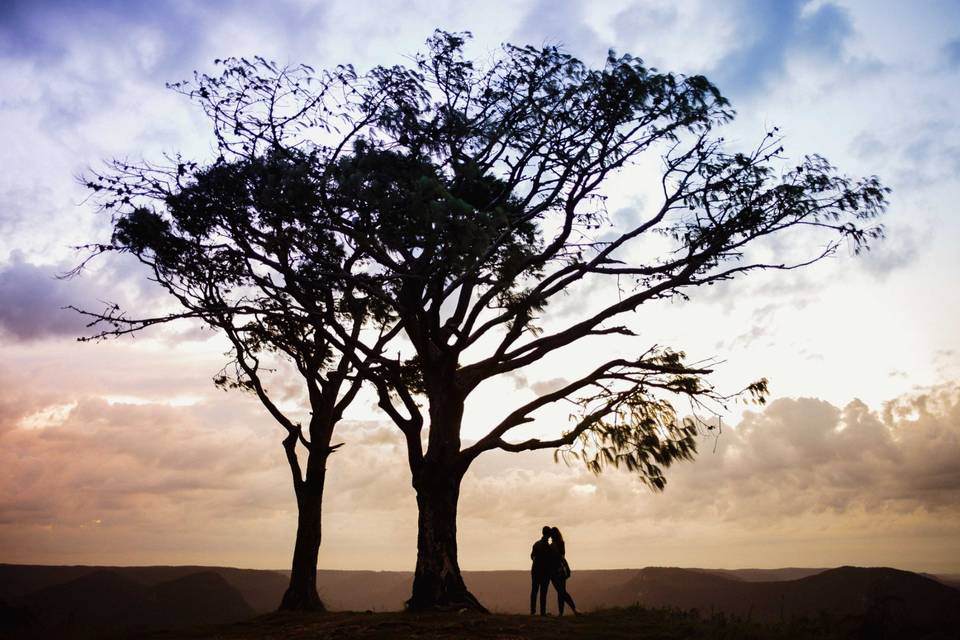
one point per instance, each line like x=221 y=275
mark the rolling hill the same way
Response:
x=902 y=599
x=260 y=589
x=105 y=602
x=92 y=601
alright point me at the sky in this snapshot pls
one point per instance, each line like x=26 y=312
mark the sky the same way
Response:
x=124 y=453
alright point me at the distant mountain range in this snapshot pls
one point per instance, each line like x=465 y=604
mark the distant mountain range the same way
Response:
x=50 y=601
x=106 y=602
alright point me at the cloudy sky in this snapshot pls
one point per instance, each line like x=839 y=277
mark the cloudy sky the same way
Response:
x=124 y=453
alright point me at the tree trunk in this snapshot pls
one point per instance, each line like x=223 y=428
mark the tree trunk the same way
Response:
x=437 y=582
x=301 y=595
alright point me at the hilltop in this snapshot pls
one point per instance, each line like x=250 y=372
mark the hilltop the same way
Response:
x=90 y=602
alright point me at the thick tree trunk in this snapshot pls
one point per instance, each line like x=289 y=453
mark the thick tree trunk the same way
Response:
x=301 y=595
x=437 y=582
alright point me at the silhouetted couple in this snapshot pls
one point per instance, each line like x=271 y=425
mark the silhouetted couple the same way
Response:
x=550 y=567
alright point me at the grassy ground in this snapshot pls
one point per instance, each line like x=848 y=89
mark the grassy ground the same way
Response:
x=616 y=624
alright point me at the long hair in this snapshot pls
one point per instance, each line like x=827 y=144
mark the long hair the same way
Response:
x=558 y=540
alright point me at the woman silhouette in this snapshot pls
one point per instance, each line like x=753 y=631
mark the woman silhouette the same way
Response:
x=559 y=578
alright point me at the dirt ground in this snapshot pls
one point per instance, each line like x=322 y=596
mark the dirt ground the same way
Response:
x=632 y=624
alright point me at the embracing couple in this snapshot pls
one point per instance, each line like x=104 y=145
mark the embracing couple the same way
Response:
x=550 y=566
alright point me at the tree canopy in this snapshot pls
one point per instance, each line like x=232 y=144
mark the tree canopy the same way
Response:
x=445 y=206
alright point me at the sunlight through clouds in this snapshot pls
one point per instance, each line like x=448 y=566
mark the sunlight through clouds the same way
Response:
x=125 y=453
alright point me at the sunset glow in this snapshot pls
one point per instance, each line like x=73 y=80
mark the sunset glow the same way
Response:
x=123 y=452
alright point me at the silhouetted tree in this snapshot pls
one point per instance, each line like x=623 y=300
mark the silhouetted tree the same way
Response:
x=479 y=191
x=474 y=197
x=242 y=245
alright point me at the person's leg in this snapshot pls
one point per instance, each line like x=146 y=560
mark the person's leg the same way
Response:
x=534 y=585
x=560 y=585
x=544 y=585
x=569 y=599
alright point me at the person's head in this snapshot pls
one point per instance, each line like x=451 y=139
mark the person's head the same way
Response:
x=546 y=532
x=555 y=534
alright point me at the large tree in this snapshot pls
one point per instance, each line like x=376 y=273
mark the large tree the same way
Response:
x=479 y=192
x=473 y=198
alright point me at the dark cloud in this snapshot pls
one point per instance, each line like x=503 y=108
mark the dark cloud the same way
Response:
x=767 y=31
x=177 y=35
x=915 y=155
x=824 y=31
x=641 y=17
x=35 y=297
x=33 y=300
x=773 y=31
x=48 y=30
x=951 y=53
x=561 y=22
x=90 y=57
x=20 y=209
x=899 y=250
x=867 y=145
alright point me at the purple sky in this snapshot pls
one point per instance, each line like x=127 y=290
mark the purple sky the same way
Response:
x=124 y=453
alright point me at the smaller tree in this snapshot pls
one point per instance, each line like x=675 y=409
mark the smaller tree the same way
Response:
x=242 y=245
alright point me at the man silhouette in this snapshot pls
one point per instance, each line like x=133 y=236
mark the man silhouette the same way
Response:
x=544 y=567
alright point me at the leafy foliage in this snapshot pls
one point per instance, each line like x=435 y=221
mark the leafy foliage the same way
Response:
x=453 y=202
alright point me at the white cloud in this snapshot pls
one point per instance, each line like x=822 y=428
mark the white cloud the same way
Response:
x=169 y=484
